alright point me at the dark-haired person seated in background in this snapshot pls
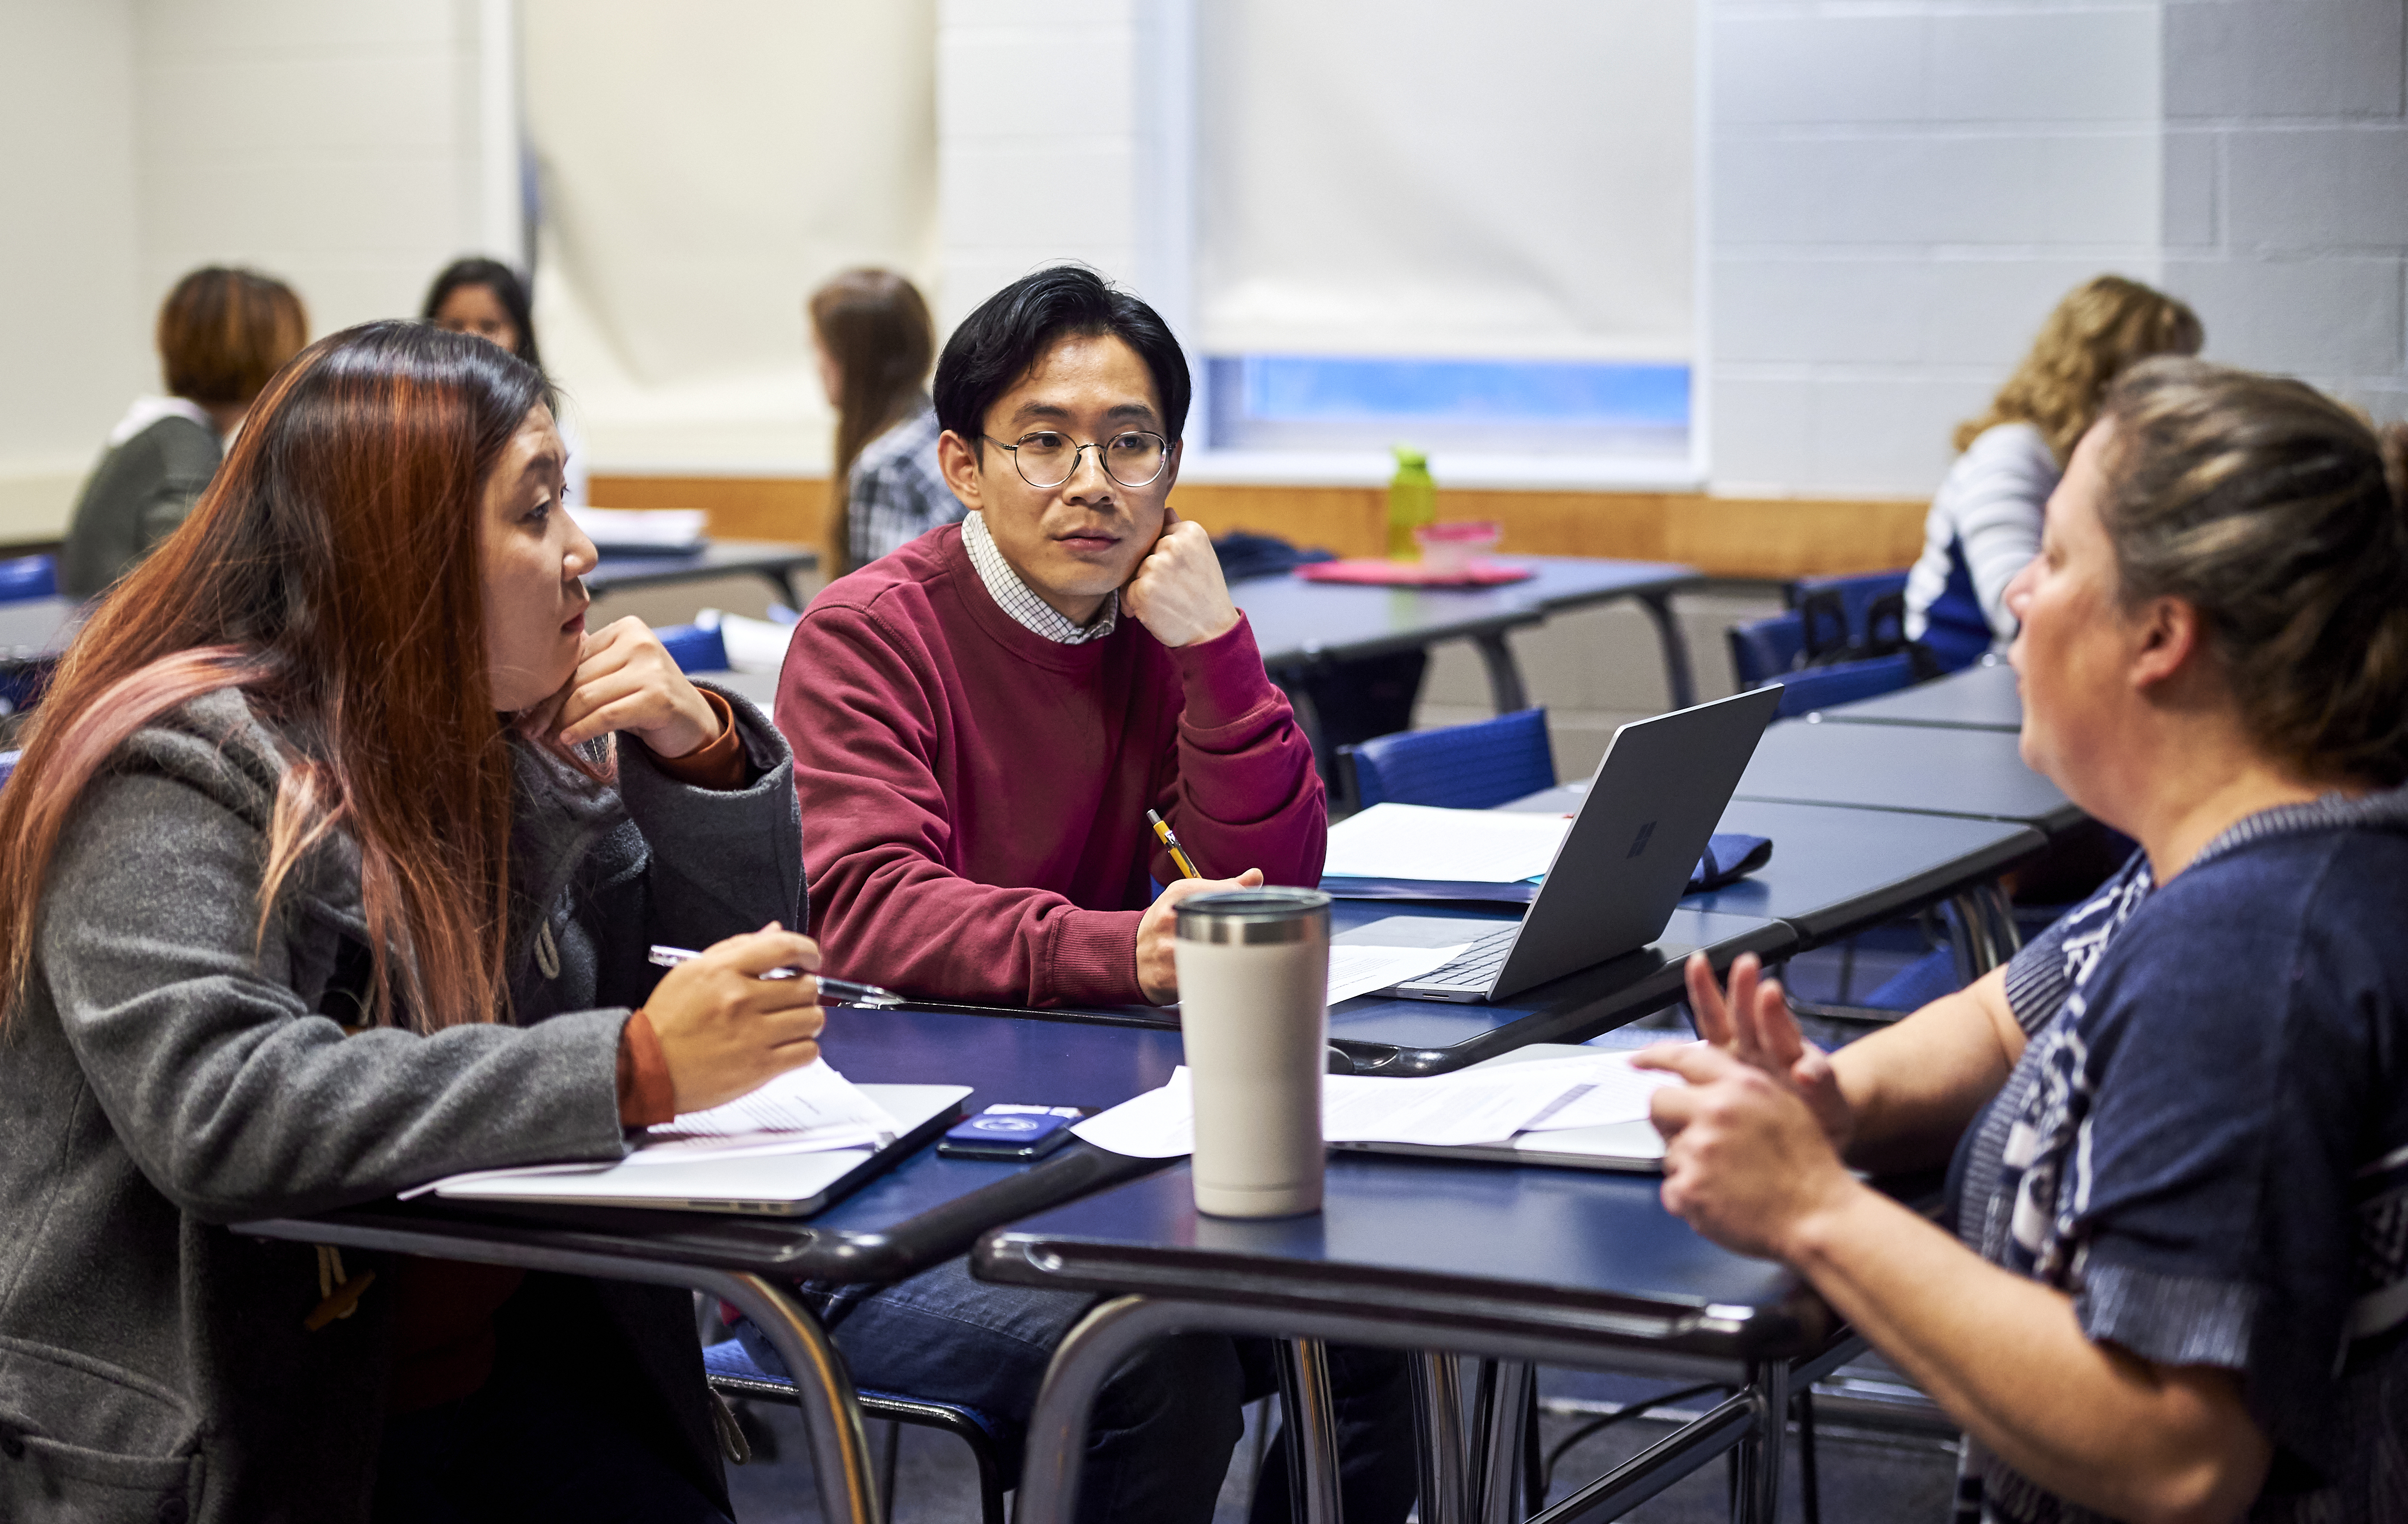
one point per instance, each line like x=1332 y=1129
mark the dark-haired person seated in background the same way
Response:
x=328 y=871
x=2176 y=1282
x=222 y=334
x=981 y=719
x=485 y=297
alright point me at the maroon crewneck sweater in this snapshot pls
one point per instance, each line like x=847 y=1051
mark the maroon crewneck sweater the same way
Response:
x=974 y=796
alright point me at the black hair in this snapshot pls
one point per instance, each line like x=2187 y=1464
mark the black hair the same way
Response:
x=503 y=282
x=1010 y=332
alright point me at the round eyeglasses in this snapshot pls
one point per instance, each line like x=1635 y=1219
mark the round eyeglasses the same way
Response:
x=1046 y=459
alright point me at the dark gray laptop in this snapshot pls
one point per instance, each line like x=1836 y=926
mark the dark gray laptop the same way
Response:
x=1655 y=799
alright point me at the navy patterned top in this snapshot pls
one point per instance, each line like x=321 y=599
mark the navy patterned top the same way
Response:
x=2206 y=1144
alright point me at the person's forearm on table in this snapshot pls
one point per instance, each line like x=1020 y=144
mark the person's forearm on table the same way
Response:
x=2007 y=1357
x=1914 y=1088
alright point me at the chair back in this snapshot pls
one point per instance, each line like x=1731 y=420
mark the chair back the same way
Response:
x=1844 y=682
x=695 y=647
x=29 y=577
x=1955 y=628
x=1475 y=766
x=1763 y=649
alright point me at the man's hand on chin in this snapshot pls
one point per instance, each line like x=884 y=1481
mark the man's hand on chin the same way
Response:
x=1178 y=591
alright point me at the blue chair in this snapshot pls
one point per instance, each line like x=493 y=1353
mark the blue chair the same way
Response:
x=28 y=577
x=732 y=1373
x=1764 y=650
x=695 y=647
x=8 y=765
x=1475 y=766
x=1956 y=631
x=1844 y=682
x=1863 y=604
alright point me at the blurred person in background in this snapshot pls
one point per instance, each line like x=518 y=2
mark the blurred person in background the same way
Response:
x=485 y=297
x=875 y=344
x=222 y=334
x=1985 y=519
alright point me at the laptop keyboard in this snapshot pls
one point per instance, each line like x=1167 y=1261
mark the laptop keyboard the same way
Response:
x=1476 y=969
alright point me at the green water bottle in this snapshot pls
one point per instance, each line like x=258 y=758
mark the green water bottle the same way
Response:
x=1412 y=502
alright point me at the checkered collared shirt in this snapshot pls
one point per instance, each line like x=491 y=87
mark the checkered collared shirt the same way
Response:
x=1028 y=610
x=896 y=492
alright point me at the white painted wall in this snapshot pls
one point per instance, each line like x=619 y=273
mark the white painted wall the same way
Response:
x=74 y=328
x=1094 y=96
x=339 y=147
x=2287 y=187
x=1897 y=195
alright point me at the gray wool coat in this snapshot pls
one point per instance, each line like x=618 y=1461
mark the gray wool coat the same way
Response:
x=167 y=1075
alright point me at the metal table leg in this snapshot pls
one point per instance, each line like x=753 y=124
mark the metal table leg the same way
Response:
x=1504 y=673
x=840 y=1465
x=1759 y=1476
x=1437 y=1420
x=1678 y=678
x=1312 y=1430
x=1506 y=1411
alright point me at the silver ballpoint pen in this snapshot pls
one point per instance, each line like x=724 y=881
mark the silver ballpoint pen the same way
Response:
x=832 y=991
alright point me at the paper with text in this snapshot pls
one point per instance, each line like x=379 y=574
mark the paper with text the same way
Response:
x=1459 y=846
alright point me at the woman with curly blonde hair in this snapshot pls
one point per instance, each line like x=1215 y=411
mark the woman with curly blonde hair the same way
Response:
x=1985 y=519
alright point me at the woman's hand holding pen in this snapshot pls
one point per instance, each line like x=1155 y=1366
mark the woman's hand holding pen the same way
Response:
x=1178 y=591
x=724 y=1030
x=1157 y=973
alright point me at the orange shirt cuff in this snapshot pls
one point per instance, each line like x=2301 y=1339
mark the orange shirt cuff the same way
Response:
x=716 y=765
x=645 y=1098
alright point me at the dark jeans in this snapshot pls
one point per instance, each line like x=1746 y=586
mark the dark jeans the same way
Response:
x=524 y=1447
x=1159 y=1439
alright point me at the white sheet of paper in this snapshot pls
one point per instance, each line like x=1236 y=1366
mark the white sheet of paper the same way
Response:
x=1359 y=970
x=1158 y=1124
x=1486 y=1105
x=811 y=1100
x=1467 y=846
x=668 y=528
x=1445 y=1110
x=1609 y=1091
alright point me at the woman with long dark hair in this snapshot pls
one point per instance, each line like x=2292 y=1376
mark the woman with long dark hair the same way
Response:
x=875 y=344
x=329 y=870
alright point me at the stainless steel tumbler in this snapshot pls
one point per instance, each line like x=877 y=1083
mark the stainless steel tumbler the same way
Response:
x=1254 y=1004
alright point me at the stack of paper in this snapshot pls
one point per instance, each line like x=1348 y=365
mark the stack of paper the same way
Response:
x=1454 y=846
x=661 y=531
x=1486 y=1104
x=812 y=1109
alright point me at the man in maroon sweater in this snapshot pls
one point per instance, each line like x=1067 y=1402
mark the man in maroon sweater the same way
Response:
x=982 y=719
x=981 y=722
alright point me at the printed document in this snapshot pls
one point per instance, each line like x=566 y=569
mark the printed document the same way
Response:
x=1456 y=846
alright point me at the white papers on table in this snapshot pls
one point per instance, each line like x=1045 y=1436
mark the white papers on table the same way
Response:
x=809 y=1110
x=641 y=529
x=814 y=1100
x=1359 y=970
x=1459 y=846
x=1480 y=1105
x=752 y=645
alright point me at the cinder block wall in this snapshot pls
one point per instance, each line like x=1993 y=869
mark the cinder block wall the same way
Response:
x=2287 y=187
x=1897 y=195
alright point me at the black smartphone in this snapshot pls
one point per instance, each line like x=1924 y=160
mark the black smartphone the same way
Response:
x=1013 y=1134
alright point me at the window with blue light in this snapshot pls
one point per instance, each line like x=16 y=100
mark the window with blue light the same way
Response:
x=1489 y=406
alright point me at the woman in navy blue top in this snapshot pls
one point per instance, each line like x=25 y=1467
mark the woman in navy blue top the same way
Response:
x=2175 y=1283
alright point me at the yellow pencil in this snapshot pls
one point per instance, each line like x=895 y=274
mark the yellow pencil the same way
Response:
x=1170 y=845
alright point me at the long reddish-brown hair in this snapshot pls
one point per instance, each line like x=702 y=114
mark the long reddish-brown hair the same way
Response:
x=332 y=572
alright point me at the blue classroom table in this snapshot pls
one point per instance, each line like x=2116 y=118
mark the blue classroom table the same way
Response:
x=1927 y=769
x=923 y=1210
x=1299 y=625
x=1982 y=697
x=1524 y=1264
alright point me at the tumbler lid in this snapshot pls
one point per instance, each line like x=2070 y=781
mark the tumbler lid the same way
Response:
x=1254 y=917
